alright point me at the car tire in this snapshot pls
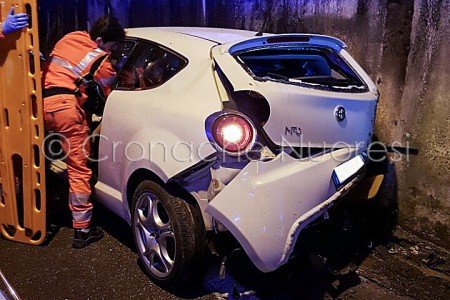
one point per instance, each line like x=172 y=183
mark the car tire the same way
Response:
x=167 y=234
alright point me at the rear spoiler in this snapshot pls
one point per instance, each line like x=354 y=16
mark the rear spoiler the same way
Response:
x=289 y=39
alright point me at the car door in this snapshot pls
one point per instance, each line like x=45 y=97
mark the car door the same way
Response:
x=146 y=115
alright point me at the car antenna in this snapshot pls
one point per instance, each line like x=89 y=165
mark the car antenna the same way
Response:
x=260 y=33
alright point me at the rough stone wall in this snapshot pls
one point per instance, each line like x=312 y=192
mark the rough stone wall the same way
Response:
x=423 y=119
x=57 y=18
x=403 y=44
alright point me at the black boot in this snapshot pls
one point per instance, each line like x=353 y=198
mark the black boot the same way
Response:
x=83 y=239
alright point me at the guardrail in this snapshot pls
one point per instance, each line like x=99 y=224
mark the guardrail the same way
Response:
x=9 y=289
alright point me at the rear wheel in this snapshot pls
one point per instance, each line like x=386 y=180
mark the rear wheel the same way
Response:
x=167 y=235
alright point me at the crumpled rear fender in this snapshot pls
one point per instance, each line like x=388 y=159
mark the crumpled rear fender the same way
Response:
x=268 y=203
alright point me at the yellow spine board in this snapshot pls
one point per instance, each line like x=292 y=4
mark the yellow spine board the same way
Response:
x=22 y=163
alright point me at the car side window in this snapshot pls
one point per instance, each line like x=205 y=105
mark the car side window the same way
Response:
x=149 y=66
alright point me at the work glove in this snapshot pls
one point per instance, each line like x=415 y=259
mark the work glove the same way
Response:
x=14 y=22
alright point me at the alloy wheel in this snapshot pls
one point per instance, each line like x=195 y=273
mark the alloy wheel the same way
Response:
x=154 y=235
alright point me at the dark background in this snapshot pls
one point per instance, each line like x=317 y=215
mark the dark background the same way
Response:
x=403 y=45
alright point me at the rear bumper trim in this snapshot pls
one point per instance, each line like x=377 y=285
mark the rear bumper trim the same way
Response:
x=313 y=214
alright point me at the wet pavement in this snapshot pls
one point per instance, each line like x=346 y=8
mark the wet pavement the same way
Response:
x=355 y=254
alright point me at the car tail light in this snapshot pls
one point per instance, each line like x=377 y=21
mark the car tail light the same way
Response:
x=233 y=133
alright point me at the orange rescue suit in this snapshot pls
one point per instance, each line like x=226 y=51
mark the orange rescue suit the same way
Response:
x=72 y=58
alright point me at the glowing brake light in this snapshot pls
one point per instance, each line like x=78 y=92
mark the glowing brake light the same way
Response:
x=233 y=133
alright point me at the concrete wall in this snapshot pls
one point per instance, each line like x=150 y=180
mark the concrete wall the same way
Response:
x=403 y=45
x=423 y=119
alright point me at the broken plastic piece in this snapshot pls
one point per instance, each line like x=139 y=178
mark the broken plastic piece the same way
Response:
x=222 y=268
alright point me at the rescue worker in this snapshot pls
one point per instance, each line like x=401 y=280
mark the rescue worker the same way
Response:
x=72 y=58
x=13 y=23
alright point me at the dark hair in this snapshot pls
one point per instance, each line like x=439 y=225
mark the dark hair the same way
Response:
x=108 y=28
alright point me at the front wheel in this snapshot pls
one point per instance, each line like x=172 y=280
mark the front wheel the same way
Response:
x=167 y=237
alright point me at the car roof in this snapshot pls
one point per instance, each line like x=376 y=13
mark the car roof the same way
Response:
x=198 y=41
x=192 y=42
x=215 y=35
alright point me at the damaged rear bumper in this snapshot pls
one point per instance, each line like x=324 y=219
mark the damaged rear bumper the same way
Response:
x=268 y=203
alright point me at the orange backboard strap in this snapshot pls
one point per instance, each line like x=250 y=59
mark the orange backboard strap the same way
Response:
x=22 y=162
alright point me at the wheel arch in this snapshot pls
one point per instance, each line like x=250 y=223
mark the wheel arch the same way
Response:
x=173 y=188
x=136 y=178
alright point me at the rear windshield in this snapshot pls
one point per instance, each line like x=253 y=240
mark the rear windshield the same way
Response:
x=307 y=66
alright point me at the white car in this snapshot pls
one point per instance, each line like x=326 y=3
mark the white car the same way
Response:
x=212 y=130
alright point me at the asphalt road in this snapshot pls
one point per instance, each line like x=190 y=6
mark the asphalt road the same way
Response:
x=353 y=255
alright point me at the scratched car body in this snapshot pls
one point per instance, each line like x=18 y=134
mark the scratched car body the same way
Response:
x=216 y=130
